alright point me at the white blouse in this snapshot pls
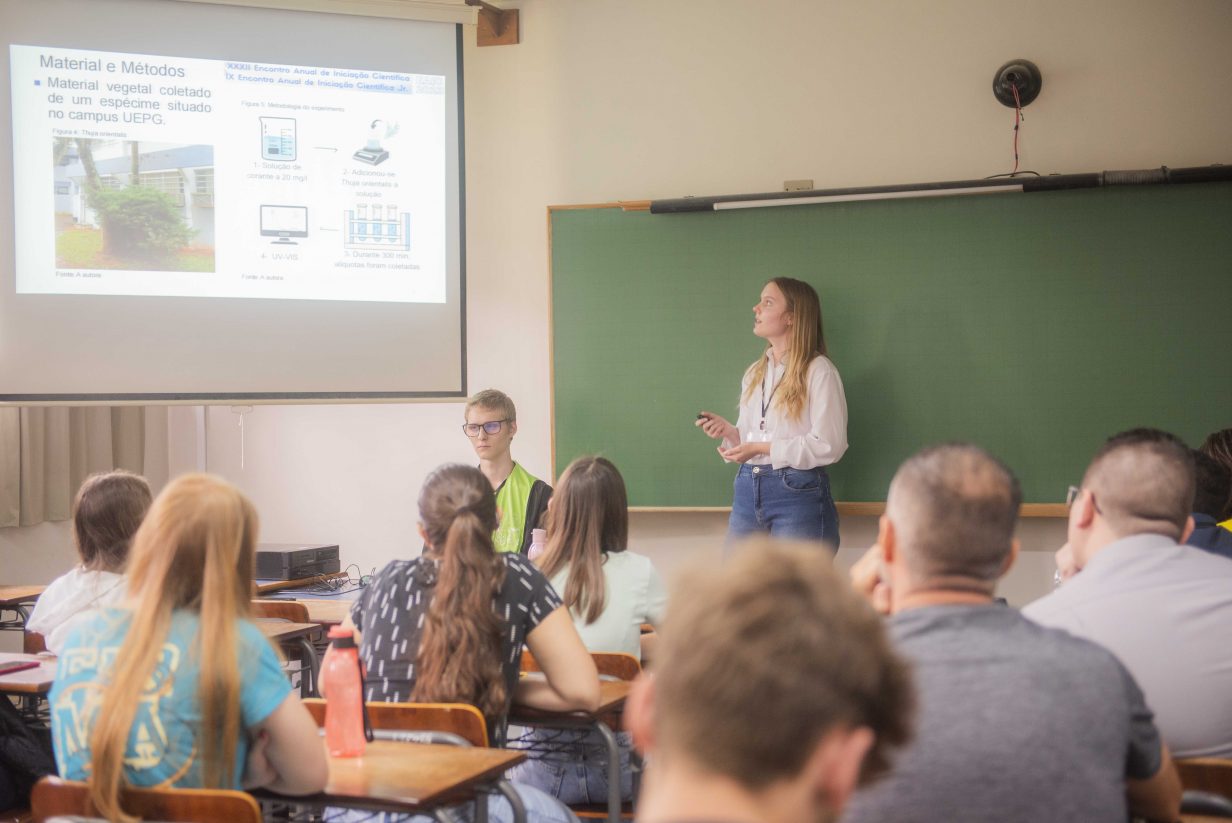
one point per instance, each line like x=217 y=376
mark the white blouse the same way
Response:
x=817 y=438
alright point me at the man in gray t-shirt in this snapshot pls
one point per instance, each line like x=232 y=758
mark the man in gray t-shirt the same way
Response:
x=1161 y=607
x=1016 y=722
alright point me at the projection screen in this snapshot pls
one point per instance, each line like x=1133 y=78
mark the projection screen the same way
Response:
x=207 y=203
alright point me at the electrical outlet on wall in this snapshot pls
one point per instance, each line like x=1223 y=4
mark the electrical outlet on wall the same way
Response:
x=797 y=185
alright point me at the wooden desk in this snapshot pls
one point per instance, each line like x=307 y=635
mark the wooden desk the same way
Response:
x=327 y=612
x=280 y=631
x=408 y=777
x=29 y=681
x=612 y=697
x=15 y=599
x=15 y=595
x=299 y=635
x=281 y=585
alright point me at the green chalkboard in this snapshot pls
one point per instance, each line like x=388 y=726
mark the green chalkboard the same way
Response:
x=1032 y=324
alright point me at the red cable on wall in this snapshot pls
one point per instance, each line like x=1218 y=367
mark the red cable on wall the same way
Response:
x=1018 y=118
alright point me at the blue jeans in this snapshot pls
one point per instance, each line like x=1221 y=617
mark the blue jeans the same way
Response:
x=793 y=503
x=540 y=808
x=570 y=765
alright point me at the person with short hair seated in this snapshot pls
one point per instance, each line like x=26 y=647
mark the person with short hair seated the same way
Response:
x=179 y=688
x=522 y=499
x=1219 y=446
x=1163 y=608
x=107 y=512
x=1016 y=722
x=1212 y=487
x=774 y=693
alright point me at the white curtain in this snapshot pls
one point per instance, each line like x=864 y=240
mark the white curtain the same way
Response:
x=45 y=453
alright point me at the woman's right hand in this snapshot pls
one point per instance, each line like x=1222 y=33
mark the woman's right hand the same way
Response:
x=716 y=427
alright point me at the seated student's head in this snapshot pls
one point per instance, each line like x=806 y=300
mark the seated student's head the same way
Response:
x=194 y=552
x=1212 y=485
x=771 y=674
x=1219 y=446
x=588 y=517
x=1141 y=481
x=949 y=522
x=107 y=511
x=491 y=423
x=459 y=651
x=196 y=548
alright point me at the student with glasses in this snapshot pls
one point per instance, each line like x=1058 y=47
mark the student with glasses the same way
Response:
x=1162 y=607
x=521 y=498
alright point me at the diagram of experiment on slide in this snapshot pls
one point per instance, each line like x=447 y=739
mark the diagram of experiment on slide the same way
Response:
x=167 y=176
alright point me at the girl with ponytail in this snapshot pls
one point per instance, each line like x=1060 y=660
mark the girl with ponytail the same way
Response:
x=179 y=688
x=449 y=626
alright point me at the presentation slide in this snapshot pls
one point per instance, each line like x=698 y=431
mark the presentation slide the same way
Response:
x=157 y=176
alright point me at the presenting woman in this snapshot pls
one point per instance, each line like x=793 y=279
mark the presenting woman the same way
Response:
x=792 y=423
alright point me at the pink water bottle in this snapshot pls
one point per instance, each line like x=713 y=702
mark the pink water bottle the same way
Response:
x=346 y=718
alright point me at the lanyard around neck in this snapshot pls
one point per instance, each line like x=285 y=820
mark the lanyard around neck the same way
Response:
x=766 y=400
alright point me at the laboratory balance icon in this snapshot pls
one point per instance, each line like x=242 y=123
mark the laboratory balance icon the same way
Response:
x=376 y=226
x=373 y=153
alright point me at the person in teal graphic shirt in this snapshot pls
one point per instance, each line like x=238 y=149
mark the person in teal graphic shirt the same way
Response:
x=521 y=498
x=178 y=688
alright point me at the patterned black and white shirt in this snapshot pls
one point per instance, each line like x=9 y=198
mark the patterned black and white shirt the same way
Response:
x=390 y=614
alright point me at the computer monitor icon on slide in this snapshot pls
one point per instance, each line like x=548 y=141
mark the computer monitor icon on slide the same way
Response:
x=284 y=222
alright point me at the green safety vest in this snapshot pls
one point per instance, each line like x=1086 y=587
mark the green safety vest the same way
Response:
x=519 y=499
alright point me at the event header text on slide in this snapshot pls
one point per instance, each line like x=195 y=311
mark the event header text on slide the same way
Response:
x=172 y=176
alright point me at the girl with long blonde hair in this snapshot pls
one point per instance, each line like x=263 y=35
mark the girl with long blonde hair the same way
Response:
x=792 y=422
x=179 y=688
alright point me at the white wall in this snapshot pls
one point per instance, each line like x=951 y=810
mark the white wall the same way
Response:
x=633 y=99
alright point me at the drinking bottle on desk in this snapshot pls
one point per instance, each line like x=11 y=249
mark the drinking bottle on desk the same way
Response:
x=347 y=729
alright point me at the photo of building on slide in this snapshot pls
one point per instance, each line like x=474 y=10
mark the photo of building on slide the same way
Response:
x=133 y=205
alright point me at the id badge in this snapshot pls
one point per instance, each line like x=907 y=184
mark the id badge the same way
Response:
x=757 y=436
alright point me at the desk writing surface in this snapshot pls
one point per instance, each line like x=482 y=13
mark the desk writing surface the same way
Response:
x=327 y=612
x=612 y=697
x=28 y=681
x=397 y=776
x=14 y=595
x=1033 y=324
x=280 y=631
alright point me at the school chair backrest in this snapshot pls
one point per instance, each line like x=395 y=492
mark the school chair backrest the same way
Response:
x=54 y=797
x=616 y=665
x=1206 y=774
x=459 y=719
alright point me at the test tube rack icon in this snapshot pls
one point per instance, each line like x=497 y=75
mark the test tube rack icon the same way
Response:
x=377 y=226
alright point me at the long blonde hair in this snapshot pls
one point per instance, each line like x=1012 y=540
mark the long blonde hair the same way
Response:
x=808 y=340
x=194 y=551
x=589 y=517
